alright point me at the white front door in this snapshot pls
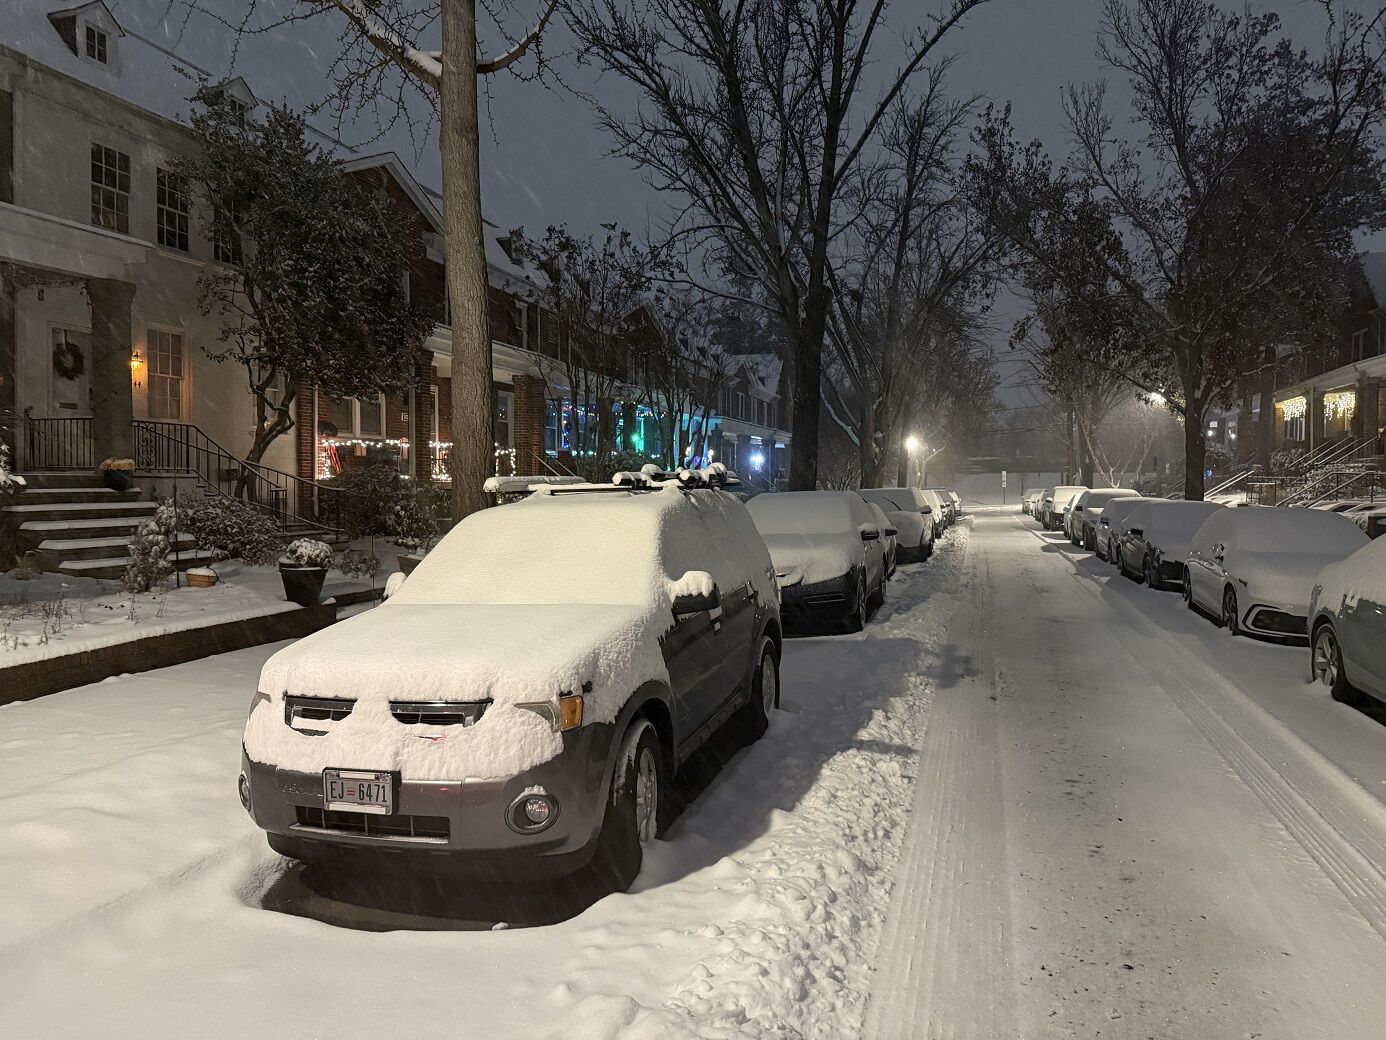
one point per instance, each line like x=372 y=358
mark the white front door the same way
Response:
x=69 y=382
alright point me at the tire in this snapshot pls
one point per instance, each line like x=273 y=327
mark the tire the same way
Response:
x=632 y=817
x=1187 y=590
x=856 y=620
x=752 y=719
x=1148 y=572
x=929 y=549
x=1326 y=660
x=1231 y=618
x=877 y=599
x=1090 y=541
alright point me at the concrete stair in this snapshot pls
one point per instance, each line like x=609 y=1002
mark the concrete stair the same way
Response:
x=74 y=525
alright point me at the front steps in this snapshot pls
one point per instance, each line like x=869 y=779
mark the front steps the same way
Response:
x=73 y=525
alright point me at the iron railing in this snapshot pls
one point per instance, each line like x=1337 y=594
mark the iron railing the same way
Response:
x=63 y=443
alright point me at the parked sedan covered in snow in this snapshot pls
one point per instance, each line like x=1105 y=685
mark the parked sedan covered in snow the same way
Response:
x=1087 y=511
x=520 y=703
x=1347 y=624
x=1157 y=536
x=1254 y=568
x=1054 y=502
x=824 y=547
x=889 y=538
x=910 y=513
x=1110 y=525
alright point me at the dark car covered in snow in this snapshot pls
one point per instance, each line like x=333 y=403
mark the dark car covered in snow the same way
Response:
x=520 y=703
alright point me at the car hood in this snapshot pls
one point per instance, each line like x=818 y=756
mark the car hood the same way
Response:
x=808 y=559
x=1285 y=579
x=505 y=654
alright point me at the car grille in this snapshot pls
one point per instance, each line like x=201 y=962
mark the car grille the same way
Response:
x=1278 y=621
x=411 y=713
x=372 y=825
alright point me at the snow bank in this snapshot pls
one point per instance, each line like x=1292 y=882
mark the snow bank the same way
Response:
x=517 y=604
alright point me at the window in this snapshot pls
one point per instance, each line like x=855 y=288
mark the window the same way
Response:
x=740 y=405
x=238 y=108
x=505 y=409
x=171 y=209
x=519 y=316
x=551 y=412
x=226 y=240
x=1359 y=345
x=110 y=189
x=96 y=44
x=167 y=372
x=354 y=417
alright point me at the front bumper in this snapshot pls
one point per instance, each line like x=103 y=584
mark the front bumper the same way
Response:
x=452 y=826
x=823 y=600
x=1277 y=621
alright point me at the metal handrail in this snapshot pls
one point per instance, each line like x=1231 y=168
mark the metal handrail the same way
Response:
x=1322 y=487
x=1229 y=483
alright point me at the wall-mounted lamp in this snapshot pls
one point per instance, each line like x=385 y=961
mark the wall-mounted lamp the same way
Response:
x=136 y=365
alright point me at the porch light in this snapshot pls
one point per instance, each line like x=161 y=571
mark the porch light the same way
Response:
x=1341 y=404
x=136 y=363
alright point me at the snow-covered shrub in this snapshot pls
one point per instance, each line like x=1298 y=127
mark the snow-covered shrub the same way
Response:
x=369 y=497
x=414 y=522
x=11 y=483
x=150 y=547
x=356 y=563
x=229 y=529
x=308 y=552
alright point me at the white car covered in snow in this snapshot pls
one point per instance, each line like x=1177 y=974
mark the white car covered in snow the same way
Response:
x=889 y=538
x=1087 y=510
x=1347 y=624
x=912 y=516
x=825 y=547
x=1110 y=525
x=1054 y=502
x=519 y=704
x=1254 y=568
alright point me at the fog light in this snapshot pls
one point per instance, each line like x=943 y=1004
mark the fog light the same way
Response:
x=243 y=789
x=532 y=812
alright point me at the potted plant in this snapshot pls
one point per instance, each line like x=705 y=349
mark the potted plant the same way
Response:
x=118 y=474
x=303 y=568
x=414 y=523
x=200 y=577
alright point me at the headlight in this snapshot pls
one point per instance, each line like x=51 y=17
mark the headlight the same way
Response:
x=563 y=714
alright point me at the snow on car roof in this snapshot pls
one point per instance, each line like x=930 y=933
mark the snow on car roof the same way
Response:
x=1101 y=496
x=1273 y=529
x=899 y=499
x=1163 y=520
x=1362 y=574
x=803 y=512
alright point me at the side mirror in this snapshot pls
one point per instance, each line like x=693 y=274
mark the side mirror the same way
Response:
x=926 y=511
x=1136 y=532
x=891 y=532
x=1077 y=509
x=392 y=583
x=869 y=532
x=694 y=593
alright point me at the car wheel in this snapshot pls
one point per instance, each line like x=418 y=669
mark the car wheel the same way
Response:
x=1148 y=570
x=632 y=817
x=1230 y=617
x=1328 y=664
x=856 y=620
x=753 y=717
x=1188 y=590
x=929 y=549
x=1090 y=541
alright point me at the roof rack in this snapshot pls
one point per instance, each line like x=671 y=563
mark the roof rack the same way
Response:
x=652 y=478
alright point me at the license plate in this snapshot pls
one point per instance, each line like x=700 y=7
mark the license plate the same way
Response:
x=358 y=790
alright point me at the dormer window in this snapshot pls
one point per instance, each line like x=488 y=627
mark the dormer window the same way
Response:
x=96 y=44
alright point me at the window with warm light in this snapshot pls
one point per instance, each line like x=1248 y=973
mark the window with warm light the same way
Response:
x=167 y=374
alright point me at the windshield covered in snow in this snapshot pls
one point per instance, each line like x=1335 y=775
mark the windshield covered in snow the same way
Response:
x=803 y=512
x=1264 y=529
x=897 y=499
x=1099 y=499
x=1165 y=521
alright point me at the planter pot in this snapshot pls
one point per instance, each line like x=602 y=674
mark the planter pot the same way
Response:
x=408 y=563
x=118 y=479
x=200 y=580
x=302 y=585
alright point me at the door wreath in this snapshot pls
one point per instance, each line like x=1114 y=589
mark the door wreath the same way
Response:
x=69 y=362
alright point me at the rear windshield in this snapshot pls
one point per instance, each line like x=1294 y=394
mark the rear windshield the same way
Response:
x=898 y=499
x=1101 y=498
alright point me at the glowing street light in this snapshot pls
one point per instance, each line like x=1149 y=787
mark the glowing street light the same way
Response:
x=912 y=444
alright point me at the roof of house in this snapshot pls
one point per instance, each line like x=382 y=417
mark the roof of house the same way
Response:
x=764 y=369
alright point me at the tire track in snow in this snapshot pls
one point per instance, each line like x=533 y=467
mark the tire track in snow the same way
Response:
x=1340 y=826
x=944 y=964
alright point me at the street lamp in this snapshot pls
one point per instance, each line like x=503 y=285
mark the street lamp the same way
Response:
x=911 y=444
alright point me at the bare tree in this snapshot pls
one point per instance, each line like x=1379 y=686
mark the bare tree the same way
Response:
x=910 y=277
x=1228 y=222
x=759 y=113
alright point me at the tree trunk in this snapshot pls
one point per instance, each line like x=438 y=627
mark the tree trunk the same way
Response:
x=808 y=372
x=473 y=449
x=1195 y=449
x=1085 y=463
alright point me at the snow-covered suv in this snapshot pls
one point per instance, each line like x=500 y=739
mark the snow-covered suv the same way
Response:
x=521 y=702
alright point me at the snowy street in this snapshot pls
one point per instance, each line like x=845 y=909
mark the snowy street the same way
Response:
x=1032 y=799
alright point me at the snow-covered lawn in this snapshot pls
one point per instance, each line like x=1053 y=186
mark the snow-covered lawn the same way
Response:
x=136 y=887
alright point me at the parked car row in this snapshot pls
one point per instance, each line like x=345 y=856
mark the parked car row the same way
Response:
x=1300 y=576
x=511 y=714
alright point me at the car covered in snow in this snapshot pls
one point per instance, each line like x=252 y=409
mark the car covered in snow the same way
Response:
x=824 y=545
x=1156 y=538
x=939 y=507
x=1054 y=502
x=912 y=516
x=1110 y=525
x=1347 y=624
x=945 y=499
x=889 y=538
x=1087 y=511
x=1029 y=503
x=519 y=705
x=1253 y=568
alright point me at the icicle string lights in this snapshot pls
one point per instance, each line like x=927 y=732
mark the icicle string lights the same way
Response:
x=1341 y=404
x=1295 y=408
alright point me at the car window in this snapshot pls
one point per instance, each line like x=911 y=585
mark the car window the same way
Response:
x=802 y=512
x=898 y=499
